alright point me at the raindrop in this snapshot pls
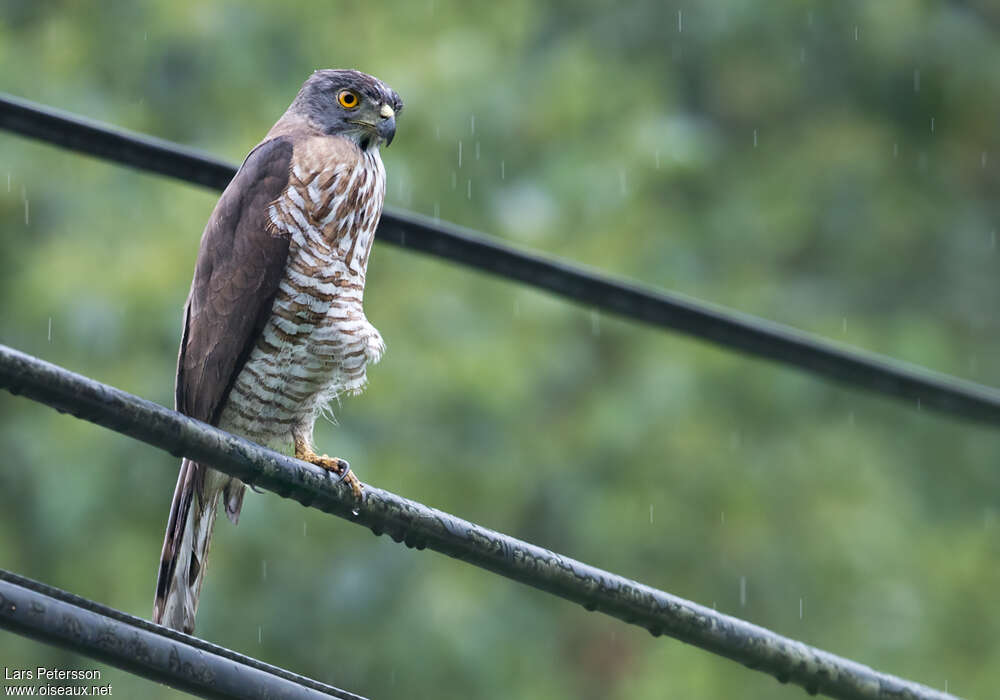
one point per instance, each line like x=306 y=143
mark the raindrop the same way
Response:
x=973 y=364
x=946 y=685
x=650 y=513
x=472 y=124
x=8 y=174
x=656 y=158
x=993 y=239
x=856 y=32
x=303 y=528
x=263 y=569
x=437 y=212
x=454 y=179
x=809 y=18
x=501 y=170
x=460 y=153
x=982 y=162
x=26 y=213
x=850 y=419
x=743 y=591
x=145 y=36
x=50 y=329
x=916 y=80
x=932 y=125
x=755 y=138
x=680 y=22
x=260 y=634
x=722 y=517
x=468 y=189
x=919 y=405
x=437 y=133
x=801 y=605
x=477 y=150
x=595 y=322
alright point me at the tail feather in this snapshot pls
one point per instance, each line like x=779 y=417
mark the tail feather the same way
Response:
x=186 y=543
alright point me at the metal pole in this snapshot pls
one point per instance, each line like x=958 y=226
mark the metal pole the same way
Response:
x=722 y=327
x=419 y=526
x=187 y=663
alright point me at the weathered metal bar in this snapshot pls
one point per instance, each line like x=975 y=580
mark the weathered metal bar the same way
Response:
x=187 y=663
x=419 y=526
x=723 y=327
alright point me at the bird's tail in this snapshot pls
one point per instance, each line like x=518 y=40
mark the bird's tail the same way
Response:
x=186 y=543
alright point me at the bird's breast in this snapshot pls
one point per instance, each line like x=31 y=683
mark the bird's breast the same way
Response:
x=317 y=342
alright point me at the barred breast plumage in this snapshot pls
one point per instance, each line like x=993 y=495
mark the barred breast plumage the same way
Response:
x=317 y=342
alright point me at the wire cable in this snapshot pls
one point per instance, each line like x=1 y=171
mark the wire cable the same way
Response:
x=419 y=526
x=723 y=327
x=53 y=616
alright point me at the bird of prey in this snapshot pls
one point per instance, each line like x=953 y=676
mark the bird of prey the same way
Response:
x=274 y=326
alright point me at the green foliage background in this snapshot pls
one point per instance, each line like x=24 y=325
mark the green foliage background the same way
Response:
x=833 y=166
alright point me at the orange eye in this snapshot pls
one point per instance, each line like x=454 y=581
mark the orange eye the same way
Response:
x=347 y=99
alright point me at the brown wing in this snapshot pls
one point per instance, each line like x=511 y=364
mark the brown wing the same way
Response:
x=240 y=264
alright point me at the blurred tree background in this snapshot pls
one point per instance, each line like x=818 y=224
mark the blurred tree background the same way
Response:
x=833 y=166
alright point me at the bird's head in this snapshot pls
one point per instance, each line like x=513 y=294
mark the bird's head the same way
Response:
x=351 y=104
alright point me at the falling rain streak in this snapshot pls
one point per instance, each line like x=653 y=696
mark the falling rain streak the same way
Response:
x=459 y=153
x=680 y=22
x=595 y=323
x=50 y=329
x=743 y=591
x=916 y=80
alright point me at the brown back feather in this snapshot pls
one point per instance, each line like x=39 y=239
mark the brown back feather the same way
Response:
x=240 y=264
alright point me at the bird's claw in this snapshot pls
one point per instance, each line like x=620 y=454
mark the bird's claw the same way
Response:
x=343 y=469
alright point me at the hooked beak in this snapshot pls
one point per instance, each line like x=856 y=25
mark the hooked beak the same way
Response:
x=386 y=127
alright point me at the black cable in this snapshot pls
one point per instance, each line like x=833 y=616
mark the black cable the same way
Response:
x=723 y=327
x=419 y=526
x=187 y=663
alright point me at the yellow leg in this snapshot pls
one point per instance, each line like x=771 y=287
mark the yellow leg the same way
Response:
x=334 y=464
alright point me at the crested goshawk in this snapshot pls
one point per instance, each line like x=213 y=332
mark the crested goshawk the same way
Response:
x=274 y=326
